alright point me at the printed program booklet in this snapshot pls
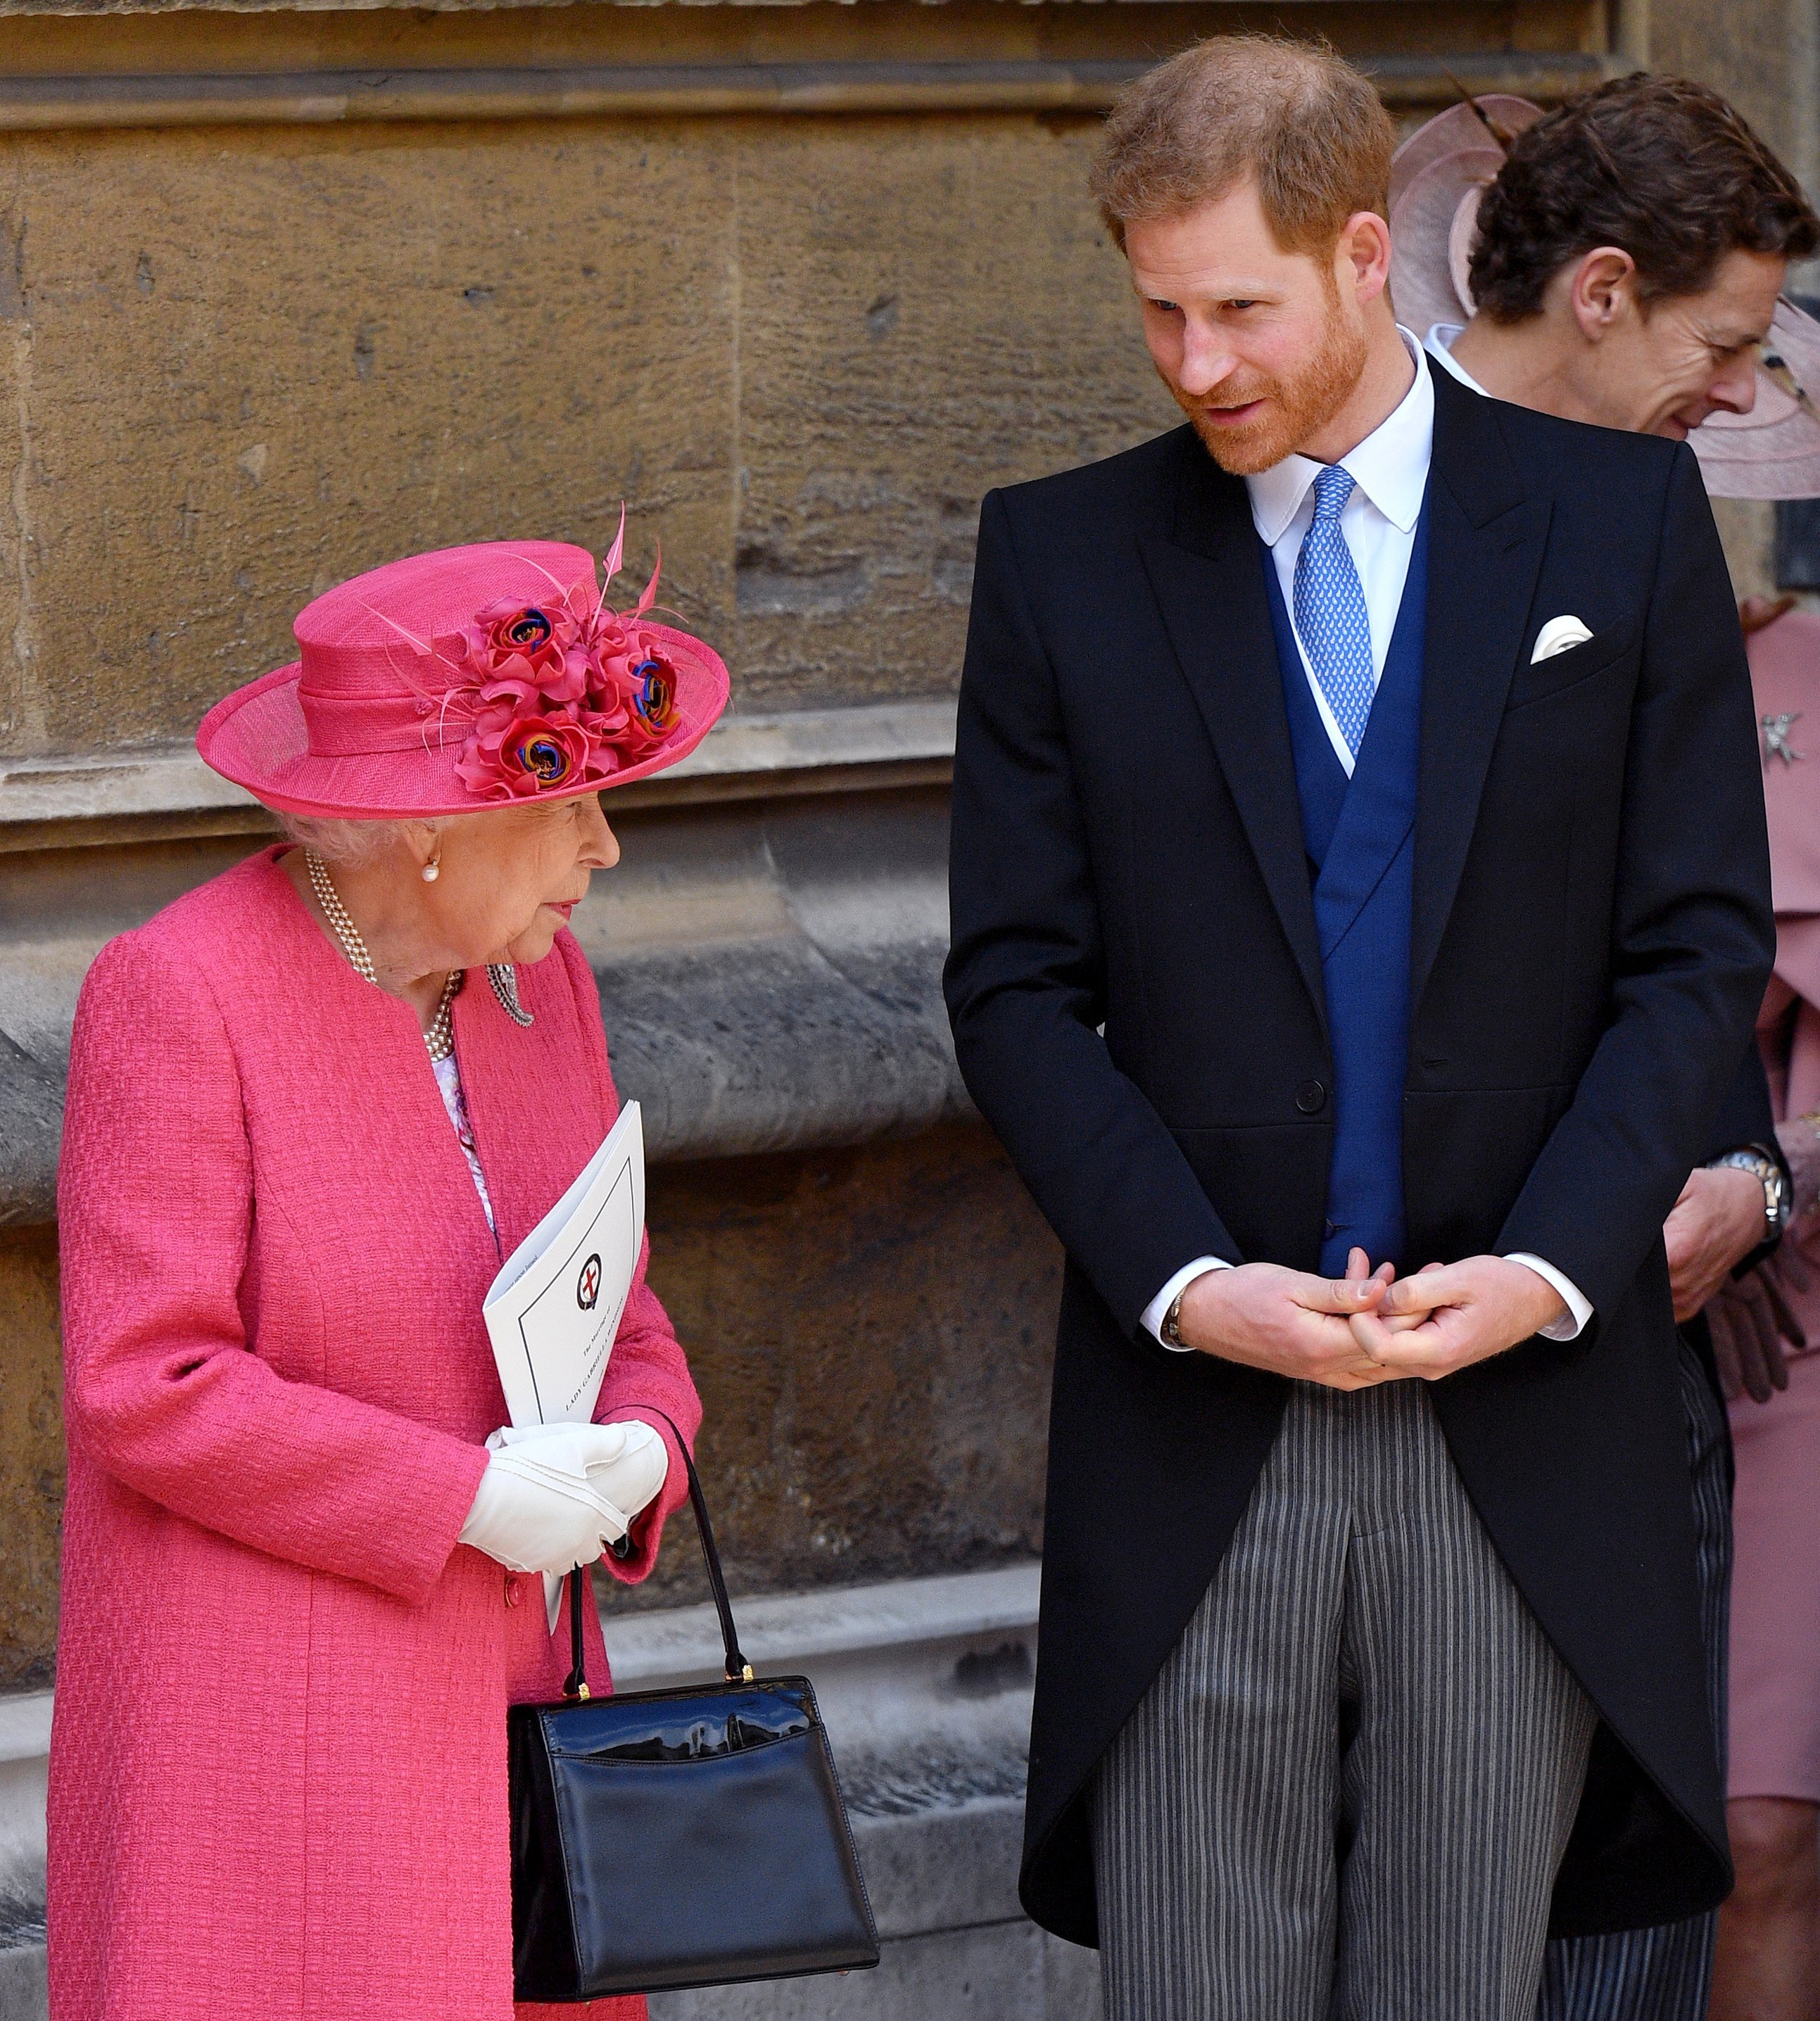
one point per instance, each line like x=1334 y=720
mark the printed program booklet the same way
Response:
x=553 y=1311
x=554 y=1308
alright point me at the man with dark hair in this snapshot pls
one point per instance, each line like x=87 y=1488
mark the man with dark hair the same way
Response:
x=1332 y=954
x=1628 y=259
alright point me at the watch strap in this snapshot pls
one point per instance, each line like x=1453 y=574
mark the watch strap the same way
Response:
x=1767 y=1171
x=1170 y=1330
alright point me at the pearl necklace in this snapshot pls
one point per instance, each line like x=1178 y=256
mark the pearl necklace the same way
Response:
x=440 y=1037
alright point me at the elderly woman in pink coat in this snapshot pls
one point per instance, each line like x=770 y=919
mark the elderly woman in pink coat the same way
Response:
x=312 y=1106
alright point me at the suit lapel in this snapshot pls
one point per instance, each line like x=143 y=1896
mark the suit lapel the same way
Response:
x=1209 y=583
x=1486 y=539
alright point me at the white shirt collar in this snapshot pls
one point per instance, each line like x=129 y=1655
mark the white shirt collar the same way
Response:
x=1440 y=348
x=1390 y=466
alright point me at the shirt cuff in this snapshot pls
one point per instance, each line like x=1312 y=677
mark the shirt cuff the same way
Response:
x=1572 y=1323
x=1158 y=1309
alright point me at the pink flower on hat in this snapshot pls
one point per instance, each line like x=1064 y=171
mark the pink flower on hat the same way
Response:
x=635 y=694
x=566 y=690
x=535 y=644
x=516 y=753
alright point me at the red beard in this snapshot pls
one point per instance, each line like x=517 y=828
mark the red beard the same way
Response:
x=1299 y=407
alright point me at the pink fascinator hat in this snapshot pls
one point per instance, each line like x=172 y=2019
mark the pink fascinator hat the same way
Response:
x=470 y=678
x=1438 y=177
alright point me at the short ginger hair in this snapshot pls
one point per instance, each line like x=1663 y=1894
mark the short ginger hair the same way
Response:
x=1293 y=117
x=1660 y=167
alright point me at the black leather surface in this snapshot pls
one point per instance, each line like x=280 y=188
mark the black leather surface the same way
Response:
x=682 y=1725
x=679 y=1838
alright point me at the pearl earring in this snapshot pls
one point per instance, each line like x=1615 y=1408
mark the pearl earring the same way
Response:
x=432 y=870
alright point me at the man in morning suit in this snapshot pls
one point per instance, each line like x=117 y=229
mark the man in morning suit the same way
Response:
x=1334 y=955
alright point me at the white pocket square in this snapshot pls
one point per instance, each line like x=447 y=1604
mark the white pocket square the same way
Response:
x=1557 y=636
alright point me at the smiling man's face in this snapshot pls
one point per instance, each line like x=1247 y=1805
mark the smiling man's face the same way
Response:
x=1664 y=369
x=1261 y=348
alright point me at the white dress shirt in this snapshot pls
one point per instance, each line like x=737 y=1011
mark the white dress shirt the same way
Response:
x=1389 y=473
x=1440 y=346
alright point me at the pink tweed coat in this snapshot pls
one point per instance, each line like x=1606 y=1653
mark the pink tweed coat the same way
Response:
x=278 y=1761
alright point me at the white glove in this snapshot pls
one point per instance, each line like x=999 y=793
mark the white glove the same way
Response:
x=626 y=1464
x=536 y=1512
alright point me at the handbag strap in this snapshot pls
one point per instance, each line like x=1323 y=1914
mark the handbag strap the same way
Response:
x=575 y=1683
x=739 y=1670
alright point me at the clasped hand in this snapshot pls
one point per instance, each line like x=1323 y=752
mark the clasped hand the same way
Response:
x=555 y=1495
x=1370 y=1326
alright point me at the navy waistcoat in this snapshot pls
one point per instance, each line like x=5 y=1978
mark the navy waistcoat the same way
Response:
x=1360 y=836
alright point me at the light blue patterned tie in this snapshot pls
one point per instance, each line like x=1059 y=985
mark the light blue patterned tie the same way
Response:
x=1330 y=616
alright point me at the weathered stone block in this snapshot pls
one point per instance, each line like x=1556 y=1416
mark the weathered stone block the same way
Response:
x=871 y=1330
x=947 y=290
x=31 y=1456
x=243 y=372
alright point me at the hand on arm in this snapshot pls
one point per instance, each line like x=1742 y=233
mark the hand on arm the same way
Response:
x=1716 y=1223
x=618 y=1469
x=1287 y=1321
x=534 y=1516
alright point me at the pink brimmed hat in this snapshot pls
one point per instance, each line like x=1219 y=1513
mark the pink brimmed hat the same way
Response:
x=1437 y=178
x=470 y=678
x=1774 y=451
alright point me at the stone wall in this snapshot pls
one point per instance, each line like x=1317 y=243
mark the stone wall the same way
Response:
x=31 y=1454
x=791 y=352
x=874 y=1326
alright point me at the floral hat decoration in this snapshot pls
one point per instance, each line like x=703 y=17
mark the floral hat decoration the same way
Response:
x=467 y=678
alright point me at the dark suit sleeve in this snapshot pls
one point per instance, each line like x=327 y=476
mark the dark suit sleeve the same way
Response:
x=1747 y=1122
x=1025 y=979
x=1693 y=935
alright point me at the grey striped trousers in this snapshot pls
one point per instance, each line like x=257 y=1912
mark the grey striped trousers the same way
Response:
x=1346 y=1793
x=1665 y=1974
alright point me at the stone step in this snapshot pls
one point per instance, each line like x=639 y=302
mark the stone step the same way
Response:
x=22 y=1988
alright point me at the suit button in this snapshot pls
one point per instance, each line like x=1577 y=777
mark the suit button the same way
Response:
x=1311 y=1097
x=514 y=1590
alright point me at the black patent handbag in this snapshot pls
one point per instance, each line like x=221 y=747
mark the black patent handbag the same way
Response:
x=688 y=1837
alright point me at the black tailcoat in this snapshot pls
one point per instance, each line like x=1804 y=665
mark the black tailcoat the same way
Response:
x=1592 y=936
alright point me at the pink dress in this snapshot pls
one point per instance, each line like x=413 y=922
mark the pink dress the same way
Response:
x=277 y=1764
x=1775 y=1596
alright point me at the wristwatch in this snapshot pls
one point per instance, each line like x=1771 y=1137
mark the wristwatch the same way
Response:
x=1775 y=1186
x=1170 y=1331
